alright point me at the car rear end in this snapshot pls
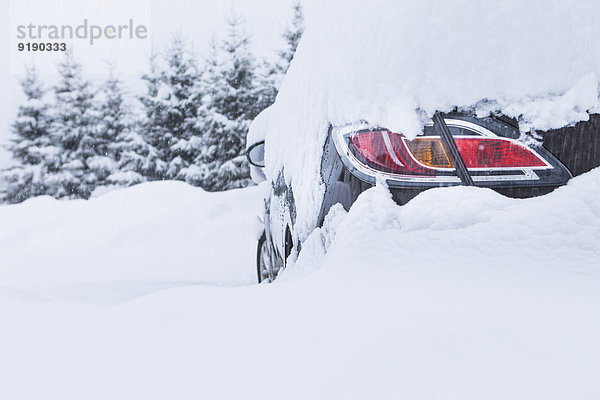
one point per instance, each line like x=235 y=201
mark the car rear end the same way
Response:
x=455 y=149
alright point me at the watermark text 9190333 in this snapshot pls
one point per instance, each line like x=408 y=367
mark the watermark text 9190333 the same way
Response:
x=48 y=46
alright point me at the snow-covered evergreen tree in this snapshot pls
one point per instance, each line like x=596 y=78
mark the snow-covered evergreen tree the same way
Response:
x=120 y=154
x=233 y=99
x=72 y=129
x=100 y=152
x=151 y=123
x=32 y=147
x=292 y=34
x=237 y=89
x=171 y=106
x=207 y=87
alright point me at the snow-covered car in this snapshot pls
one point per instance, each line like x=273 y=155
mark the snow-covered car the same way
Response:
x=454 y=149
x=518 y=86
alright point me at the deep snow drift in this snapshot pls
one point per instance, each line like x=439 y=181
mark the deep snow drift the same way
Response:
x=460 y=294
x=394 y=63
x=147 y=236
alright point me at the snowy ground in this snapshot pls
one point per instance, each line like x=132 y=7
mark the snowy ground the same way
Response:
x=148 y=293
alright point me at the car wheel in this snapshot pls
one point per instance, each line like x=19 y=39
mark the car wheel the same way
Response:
x=289 y=244
x=264 y=263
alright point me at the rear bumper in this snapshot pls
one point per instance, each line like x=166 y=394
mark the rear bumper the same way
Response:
x=403 y=196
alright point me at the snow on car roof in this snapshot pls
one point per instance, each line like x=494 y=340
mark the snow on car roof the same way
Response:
x=394 y=63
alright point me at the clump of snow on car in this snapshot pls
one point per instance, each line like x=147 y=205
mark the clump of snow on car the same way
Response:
x=395 y=63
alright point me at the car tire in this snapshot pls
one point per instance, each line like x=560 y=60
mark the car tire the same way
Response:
x=264 y=264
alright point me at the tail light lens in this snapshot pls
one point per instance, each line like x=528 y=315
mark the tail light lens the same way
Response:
x=498 y=153
x=488 y=156
x=386 y=152
x=390 y=152
x=430 y=152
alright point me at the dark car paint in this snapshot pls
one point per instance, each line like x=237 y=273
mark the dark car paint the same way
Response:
x=577 y=147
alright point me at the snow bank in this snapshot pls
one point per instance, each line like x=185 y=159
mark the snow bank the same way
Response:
x=460 y=294
x=471 y=232
x=157 y=234
x=394 y=63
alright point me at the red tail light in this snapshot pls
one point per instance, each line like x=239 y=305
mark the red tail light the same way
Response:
x=492 y=155
x=389 y=152
x=385 y=152
x=497 y=153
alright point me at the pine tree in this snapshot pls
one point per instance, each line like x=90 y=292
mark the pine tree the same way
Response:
x=236 y=99
x=237 y=89
x=269 y=76
x=171 y=106
x=72 y=129
x=206 y=89
x=152 y=125
x=31 y=147
x=233 y=99
x=120 y=153
x=113 y=117
x=292 y=35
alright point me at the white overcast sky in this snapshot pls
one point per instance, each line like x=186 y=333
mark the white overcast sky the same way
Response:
x=198 y=20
